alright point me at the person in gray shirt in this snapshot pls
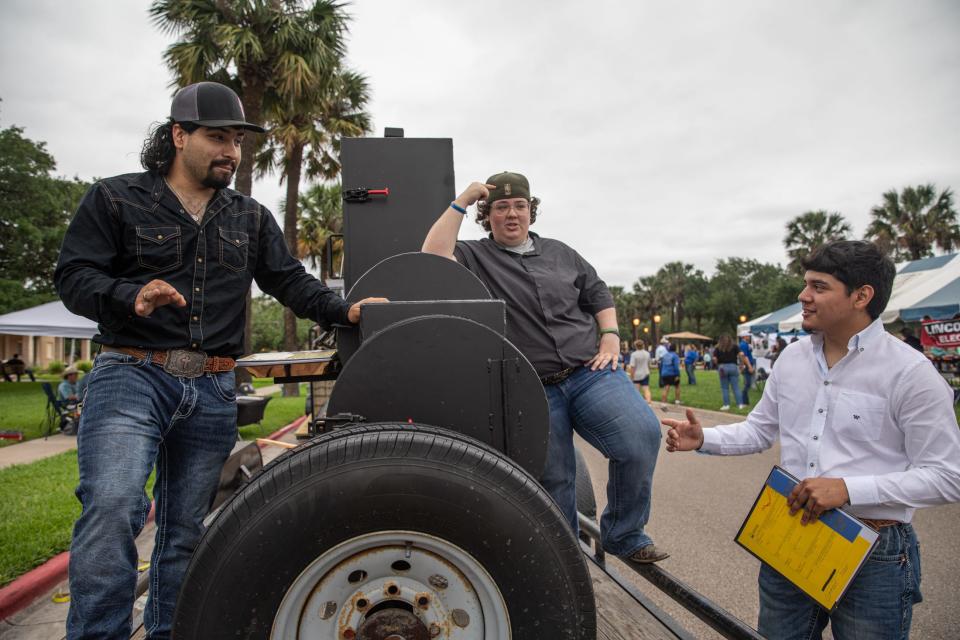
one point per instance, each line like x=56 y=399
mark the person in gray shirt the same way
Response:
x=555 y=305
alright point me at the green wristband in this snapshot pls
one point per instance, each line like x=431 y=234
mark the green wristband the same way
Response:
x=615 y=332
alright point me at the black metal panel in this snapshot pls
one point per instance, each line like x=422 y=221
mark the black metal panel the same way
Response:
x=419 y=174
x=377 y=317
x=452 y=373
x=410 y=276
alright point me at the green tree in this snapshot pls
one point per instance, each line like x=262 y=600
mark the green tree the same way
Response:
x=910 y=224
x=747 y=287
x=810 y=230
x=268 y=325
x=35 y=209
x=321 y=215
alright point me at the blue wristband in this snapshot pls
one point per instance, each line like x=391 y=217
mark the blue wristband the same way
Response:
x=456 y=207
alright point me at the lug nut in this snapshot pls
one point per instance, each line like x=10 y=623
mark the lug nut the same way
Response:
x=423 y=600
x=328 y=609
x=434 y=630
x=438 y=582
x=460 y=617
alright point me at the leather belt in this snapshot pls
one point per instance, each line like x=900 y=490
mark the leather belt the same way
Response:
x=180 y=362
x=880 y=524
x=558 y=377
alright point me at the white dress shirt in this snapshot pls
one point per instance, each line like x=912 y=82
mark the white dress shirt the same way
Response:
x=882 y=419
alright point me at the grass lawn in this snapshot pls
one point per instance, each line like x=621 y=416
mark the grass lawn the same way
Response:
x=38 y=507
x=23 y=408
x=704 y=395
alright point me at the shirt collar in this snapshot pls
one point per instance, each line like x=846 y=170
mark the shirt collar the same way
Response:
x=533 y=238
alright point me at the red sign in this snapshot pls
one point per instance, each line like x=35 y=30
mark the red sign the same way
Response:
x=941 y=333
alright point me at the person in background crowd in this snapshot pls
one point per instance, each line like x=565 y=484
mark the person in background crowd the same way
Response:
x=661 y=350
x=866 y=423
x=911 y=339
x=68 y=390
x=707 y=360
x=690 y=358
x=728 y=359
x=670 y=374
x=639 y=368
x=748 y=366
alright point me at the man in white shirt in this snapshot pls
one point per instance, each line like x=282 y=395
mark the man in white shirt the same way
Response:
x=865 y=421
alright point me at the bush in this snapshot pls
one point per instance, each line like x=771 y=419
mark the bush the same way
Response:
x=84 y=365
x=55 y=367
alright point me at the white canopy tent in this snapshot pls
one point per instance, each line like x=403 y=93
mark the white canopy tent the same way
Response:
x=50 y=319
x=919 y=286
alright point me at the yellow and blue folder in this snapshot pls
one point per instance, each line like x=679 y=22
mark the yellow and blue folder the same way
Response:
x=821 y=558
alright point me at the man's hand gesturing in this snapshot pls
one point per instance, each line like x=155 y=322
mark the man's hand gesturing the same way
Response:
x=684 y=435
x=156 y=293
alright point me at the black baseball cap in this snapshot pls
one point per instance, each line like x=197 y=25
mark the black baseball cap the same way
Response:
x=210 y=104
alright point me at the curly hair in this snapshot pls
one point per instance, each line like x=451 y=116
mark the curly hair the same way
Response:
x=483 y=212
x=158 y=149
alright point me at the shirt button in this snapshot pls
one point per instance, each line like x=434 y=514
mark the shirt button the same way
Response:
x=811 y=465
x=816 y=437
x=194 y=345
x=159 y=237
x=819 y=410
x=826 y=382
x=197 y=289
x=199 y=259
x=861 y=349
x=195 y=318
x=182 y=211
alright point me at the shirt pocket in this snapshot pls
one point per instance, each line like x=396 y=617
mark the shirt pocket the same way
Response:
x=234 y=246
x=859 y=416
x=158 y=248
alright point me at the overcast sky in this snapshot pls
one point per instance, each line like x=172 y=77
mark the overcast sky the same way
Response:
x=652 y=131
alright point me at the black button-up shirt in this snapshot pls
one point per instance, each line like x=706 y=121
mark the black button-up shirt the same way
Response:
x=552 y=296
x=132 y=229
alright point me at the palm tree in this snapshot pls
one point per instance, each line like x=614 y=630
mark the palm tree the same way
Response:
x=309 y=130
x=910 y=224
x=321 y=215
x=810 y=230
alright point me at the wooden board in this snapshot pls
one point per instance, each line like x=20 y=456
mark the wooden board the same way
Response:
x=619 y=617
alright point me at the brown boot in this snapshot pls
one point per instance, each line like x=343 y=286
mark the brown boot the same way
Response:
x=647 y=555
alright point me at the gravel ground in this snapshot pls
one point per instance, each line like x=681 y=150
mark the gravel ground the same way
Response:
x=699 y=503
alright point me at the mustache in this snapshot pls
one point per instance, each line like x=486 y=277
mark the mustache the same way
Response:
x=224 y=163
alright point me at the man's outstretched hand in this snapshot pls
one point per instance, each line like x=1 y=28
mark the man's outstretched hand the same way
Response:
x=684 y=435
x=354 y=314
x=156 y=293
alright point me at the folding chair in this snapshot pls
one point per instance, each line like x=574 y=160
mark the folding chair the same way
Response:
x=60 y=413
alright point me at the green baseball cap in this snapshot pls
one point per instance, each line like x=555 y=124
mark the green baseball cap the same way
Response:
x=508 y=185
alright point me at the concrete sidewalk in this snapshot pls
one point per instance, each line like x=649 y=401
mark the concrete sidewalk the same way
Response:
x=40 y=448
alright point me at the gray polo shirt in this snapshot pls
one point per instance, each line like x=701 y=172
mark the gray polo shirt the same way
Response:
x=552 y=295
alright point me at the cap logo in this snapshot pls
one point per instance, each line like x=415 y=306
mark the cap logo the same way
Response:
x=507 y=189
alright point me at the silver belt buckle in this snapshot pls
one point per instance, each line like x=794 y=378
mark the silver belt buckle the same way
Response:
x=185 y=363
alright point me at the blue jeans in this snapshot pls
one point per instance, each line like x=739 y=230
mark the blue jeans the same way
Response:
x=877 y=606
x=729 y=381
x=691 y=376
x=136 y=415
x=747 y=383
x=605 y=409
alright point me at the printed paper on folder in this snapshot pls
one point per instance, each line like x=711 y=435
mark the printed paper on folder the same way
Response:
x=820 y=558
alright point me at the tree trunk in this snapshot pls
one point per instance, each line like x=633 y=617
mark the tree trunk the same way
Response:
x=294 y=167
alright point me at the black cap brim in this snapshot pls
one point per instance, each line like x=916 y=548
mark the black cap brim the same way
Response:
x=221 y=124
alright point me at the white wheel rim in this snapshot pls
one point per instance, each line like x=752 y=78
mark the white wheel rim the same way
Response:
x=443 y=586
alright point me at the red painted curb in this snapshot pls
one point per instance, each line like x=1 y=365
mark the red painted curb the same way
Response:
x=23 y=591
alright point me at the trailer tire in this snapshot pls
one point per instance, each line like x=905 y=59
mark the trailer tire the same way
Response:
x=348 y=499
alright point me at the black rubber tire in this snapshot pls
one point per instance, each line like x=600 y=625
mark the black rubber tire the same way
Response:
x=370 y=478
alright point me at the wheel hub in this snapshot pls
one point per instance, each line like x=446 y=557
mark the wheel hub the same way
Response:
x=393 y=624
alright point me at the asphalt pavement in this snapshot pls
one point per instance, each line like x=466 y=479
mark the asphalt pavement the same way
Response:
x=699 y=503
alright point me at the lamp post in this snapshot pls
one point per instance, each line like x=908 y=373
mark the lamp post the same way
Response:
x=636 y=323
x=656 y=322
x=743 y=318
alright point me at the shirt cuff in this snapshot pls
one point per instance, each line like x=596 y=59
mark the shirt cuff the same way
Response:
x=711 y=442
x=121 y=310
x=862 y=490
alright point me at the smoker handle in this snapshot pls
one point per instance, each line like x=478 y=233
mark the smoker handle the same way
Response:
x=329 y=252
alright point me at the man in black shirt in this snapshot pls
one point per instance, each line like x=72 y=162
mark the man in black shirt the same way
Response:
x=555 y=304
x=163 y=260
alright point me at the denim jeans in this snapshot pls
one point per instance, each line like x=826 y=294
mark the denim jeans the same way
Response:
x=605 y=410
x=136 y=415
x=729 y=381
x=747 y=383
x=691 y=375
x=877 y=606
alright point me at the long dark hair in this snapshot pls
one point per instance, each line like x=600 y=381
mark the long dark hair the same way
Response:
x=158 y=149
